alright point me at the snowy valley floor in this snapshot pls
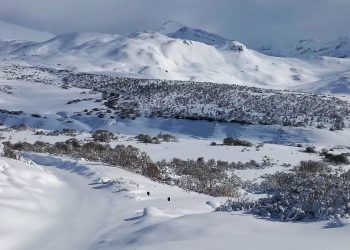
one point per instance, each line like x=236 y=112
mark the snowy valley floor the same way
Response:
x=56 y=203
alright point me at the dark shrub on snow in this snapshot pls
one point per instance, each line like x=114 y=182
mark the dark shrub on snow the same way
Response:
x=147 y=139
x=336 y=159
x=310 y=149
x=103 y=136
x=230 y=141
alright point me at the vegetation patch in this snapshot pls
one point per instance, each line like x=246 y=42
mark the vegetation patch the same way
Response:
x=312 y=191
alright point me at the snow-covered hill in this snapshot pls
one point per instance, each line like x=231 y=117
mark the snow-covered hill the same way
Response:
x=310 y=48
x=154 y=55
x=177 y=30
x=10 y=32
x=306 y=48
x=183 y=54
x=198 y=35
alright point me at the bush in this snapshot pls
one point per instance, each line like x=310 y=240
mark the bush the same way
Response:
x=201 y=176
x=20 y=127
x=103 y=136
x=156 y=139
x=310 y=149
x=337 y=159
x=147 y=139
x=152 y=171
x=166 y=137
x=230 y=141
x=8 y=152
x=311 y=192
x=36 y=115
x=312 y=167
x=39 y=133
x=66 y=132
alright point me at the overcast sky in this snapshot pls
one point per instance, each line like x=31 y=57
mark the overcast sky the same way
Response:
x=253 y=22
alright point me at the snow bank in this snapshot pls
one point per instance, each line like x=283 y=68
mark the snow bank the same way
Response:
x=27 y=202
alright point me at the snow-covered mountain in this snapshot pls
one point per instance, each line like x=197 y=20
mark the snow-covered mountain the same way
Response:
x=185 y=54
x=198 y=35
x=177 y=30
x=336 y=48
x=154 y=55
x=309 y=48
x=10 y=32
x=170 y=26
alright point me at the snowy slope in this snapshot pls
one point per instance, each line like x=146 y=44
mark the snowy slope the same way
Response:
x=153 y=55
x=187 y=33
x=28 y=203
x=50 y=102
x=184 y=54
x=83 y=205
x=10 y=32
x=178 y=52
x=177 y=30
x=78 y=205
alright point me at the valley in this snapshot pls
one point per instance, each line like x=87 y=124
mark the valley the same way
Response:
x=176 y=138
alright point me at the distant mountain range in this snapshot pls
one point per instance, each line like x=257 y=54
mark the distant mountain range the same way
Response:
x=309 y=48
x=177 y=52
x=306 y=48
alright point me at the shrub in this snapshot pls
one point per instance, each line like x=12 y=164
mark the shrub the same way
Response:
x=310 y=149
x=103 y=136
x=152 y=171
x=73 y=143
x=166 y=137
x=230 y=141
x=311 y=192
x=20 y=127
x=36 y=115
x=202 y=176
x=312 y=167
x=8 y=152
x=147 y=139
x=337 y=159
x=66 y=132
x=39 y=132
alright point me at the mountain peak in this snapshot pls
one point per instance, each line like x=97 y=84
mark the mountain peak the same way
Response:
x=199 y=35
x=170 y=26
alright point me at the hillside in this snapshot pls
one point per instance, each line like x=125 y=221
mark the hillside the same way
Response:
x=10 y=32
x=156 y=56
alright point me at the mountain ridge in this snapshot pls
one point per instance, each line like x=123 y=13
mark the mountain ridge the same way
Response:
x=9 y=32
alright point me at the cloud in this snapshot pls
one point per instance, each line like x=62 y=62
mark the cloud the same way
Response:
x=251 y=21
